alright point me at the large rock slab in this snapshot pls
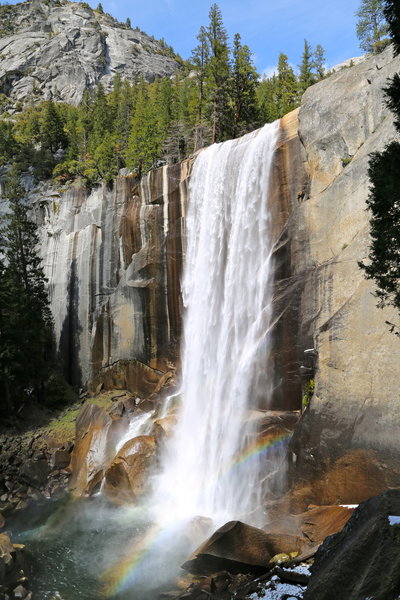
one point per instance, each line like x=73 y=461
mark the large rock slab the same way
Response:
x=363 y=560
x=354 y=409
x=240 y=548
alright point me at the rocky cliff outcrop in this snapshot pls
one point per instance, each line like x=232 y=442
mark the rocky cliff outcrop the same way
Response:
x=346 y=444
x=113 y=259
x=57 y=49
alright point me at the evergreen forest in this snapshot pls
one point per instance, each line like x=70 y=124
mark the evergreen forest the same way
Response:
x=215 y=96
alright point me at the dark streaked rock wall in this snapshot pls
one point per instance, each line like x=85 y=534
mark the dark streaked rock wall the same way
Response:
x=113 y=258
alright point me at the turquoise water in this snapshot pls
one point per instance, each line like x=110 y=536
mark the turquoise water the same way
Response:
x=90 y=550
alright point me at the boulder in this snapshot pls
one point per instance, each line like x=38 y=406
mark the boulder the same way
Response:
x=240 y=548
x=60 y=459
x=164 y=428
x=12 y=562
x=6 y=549
x=123 y=407
x=96 y=437
x=363 y=560
x=315 y=524
x=126 y=479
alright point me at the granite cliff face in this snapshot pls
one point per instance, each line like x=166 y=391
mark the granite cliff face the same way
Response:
x=346 y=444
x=113 y=259
x=55 y=50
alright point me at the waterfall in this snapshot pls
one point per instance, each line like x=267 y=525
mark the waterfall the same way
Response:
x=211 y=466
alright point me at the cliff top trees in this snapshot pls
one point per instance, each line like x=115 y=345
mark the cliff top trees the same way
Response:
x=140 y=125
x=287 y=87
x=306 y=76
x=371 y=25
x=218 y=75
x=319 y=62
x=245 y=80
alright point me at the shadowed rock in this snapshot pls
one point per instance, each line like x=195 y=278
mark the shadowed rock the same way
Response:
x=363 y=560
x=240 y=548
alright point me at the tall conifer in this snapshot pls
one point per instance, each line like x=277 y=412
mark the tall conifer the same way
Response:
x=25 y=318
x=245 y=79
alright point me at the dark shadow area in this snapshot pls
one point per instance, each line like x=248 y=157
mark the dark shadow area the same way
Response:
x=68 y=352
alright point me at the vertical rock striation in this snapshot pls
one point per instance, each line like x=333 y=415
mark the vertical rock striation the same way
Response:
x=113 y=259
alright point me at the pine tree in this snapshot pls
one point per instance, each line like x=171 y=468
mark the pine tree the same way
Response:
x=128 y=23
x=25 y=330
x=52 y=131
x=100 y=8
x=267 y=99
x=84 y=126
x=8 y=144
x=201 y=61
x=287 y=87
x=144 y=144
x=306 y=77
x=318 y=63
x=371 y=26
x=219 y=76
x=101 y=117
x=245 y=79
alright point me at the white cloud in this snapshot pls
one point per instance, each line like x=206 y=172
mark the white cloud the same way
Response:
x=269 y=71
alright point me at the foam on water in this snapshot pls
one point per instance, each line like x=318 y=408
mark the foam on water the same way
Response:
x=227 y=295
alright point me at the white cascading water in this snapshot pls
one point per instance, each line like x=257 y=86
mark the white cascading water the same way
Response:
x=210 y=468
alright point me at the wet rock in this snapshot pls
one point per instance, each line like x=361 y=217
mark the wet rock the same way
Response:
x=60 y=459
x=95 y=439
x=164 y=428
x=146 y=405
x=20 y=592
x=2 y=521
x=6 y=549
x=127 y=477
x=240 y=548
x=363 y=560
x=123 y=407
x=132 y=375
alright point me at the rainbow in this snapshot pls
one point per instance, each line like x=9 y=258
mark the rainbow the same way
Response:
x=120 y=576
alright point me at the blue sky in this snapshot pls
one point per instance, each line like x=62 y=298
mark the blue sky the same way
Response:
x=268 y=27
